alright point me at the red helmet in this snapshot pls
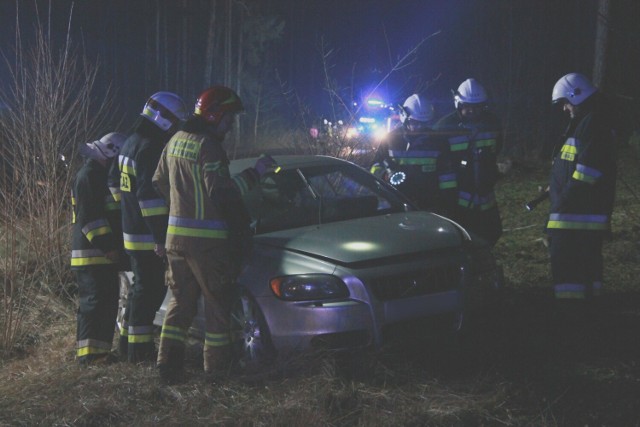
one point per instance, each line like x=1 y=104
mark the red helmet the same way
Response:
x=214 y=102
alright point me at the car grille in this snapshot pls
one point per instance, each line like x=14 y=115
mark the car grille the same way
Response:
x=422 y=282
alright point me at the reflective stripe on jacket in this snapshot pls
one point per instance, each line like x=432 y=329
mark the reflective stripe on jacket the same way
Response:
x=144 y=211
x=205 y=201
x=583 y=176
x=96 y=217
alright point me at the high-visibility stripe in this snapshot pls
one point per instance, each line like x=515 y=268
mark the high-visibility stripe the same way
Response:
x=153 y=207
x=115 y=193
x=578 y=221
x=192 y=227
x=73 y=208
x=447 y=181
x=569 y=291
x=198 y=193
x=216 y=340
x=195 y=232
x=486 y=143
x=140 y=334
x=174 y=333
x=85 y=257
x=569 y=150
x=110 y=204
x=127 y=165
x=139 y=339
x=470 y=201
x=586 y=174
x=96 y=228
x=138 y=242
x=91 y=346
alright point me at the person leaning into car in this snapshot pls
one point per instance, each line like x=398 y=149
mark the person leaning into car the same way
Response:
x=96 y=250
x=205 y=210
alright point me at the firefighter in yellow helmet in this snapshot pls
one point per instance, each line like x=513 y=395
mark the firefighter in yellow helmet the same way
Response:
x=205 y=212
x=96 y=249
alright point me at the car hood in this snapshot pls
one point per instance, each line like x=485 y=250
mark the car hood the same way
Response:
x=367 y=239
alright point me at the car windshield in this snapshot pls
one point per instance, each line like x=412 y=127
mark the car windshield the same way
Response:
x=316 y=195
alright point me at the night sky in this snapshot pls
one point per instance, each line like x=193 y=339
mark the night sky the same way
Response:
x=517 y=49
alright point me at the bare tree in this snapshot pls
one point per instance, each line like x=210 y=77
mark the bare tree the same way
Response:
x=50 y=107
x=602 y=43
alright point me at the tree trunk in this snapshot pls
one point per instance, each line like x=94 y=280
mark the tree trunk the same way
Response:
x=208 y=63
x=602 y=43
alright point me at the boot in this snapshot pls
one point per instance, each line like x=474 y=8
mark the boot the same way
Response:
x=171 y=370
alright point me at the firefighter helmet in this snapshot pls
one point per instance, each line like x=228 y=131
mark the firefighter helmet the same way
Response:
x=573 y=87
x=214 y=102
x=470 y=92
x=417 y=107
x=165 y=109
x=106 y=147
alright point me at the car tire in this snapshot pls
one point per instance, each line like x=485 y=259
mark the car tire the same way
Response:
x=252 y=344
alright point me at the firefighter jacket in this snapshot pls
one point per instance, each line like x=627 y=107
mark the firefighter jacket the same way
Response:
x=583 y=175
x=473 y=148
x=205 y=201
x=420 y=163
x=144 y=211
x=96 y=217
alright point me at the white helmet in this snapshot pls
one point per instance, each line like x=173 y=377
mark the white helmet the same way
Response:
x=165 y=109
x=417 y=107
x=470 y=92
x=573 y=87
x=105 y=148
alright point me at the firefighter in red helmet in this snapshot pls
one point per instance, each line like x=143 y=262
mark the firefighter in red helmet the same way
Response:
x=206 y=212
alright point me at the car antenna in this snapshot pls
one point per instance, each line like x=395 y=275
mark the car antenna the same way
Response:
x=314 y=194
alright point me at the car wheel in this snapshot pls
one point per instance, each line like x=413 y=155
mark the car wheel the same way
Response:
x=124 y=279
x=251 y=340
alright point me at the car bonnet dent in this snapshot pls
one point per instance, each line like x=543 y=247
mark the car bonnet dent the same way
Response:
x=374 y=237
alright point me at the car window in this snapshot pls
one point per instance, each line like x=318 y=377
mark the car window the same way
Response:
x=320 y=194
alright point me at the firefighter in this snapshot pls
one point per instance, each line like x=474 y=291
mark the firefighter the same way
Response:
x=581 y=190
x=96 y=250
x=475 y=139
x=415 y=160
x=206 y=216
x=144 y=221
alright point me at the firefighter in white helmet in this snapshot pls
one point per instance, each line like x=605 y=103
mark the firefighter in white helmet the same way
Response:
x=96 y=249
x=415 y=160
x=581 y=190
x=144 y=221
x=474 y=134
x=207 y=219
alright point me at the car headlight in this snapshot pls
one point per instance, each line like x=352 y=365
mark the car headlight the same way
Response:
x=308 y=287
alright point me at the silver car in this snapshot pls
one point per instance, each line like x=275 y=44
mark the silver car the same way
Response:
x=340 y=259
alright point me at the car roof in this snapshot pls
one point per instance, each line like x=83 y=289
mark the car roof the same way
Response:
x=287 y=162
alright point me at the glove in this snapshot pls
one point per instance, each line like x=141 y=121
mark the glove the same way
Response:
x=264 y=164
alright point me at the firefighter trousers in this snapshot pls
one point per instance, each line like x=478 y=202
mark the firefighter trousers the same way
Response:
x=576 y=263
x=145 y=297
x=209 y=273
x=98 y=293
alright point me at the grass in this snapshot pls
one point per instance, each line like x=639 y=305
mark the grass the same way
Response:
x=523 y=363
